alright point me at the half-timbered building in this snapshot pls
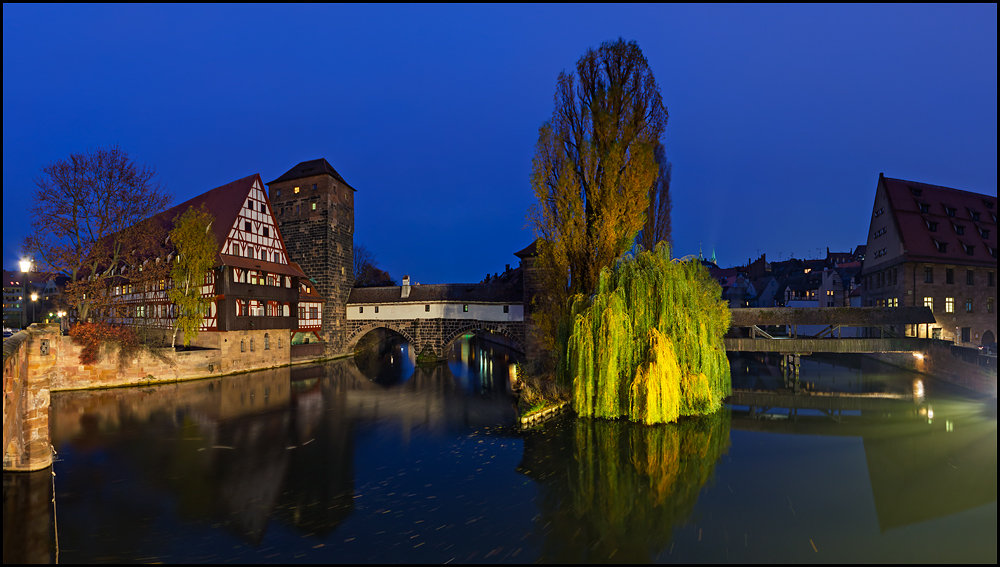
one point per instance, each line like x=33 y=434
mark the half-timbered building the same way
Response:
x=254 y=288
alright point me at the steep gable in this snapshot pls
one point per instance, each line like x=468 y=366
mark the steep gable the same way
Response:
x=254 y=233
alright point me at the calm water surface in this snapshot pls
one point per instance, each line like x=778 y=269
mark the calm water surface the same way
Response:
x=373 y=459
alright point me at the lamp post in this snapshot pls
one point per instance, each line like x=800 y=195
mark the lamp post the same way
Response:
x=25 y=265
x=34 y=298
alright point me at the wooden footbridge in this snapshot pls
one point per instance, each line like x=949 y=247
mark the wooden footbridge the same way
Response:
x=881 y=320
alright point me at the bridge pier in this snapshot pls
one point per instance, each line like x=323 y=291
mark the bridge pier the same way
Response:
x=28 y=360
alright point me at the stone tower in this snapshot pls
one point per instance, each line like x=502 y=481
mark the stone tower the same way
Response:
x=315 y=213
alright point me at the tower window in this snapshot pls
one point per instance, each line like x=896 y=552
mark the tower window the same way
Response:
x=314 y=206
x=296 y=190
x=314 y=186
x=361 y=309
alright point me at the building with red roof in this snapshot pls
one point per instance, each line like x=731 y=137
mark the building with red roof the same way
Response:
x=936 y=247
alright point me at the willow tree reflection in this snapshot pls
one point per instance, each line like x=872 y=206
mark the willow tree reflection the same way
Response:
x=615 y=490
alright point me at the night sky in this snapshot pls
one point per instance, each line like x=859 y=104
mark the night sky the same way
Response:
x=781 y=118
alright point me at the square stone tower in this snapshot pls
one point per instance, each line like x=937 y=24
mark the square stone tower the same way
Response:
x=315 y=213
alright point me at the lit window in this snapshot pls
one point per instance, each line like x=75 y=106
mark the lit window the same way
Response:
x=949 y=305
x=296 y=190
x=929 y=303
x=968 y=306
x=465 y=308
x=314 y=206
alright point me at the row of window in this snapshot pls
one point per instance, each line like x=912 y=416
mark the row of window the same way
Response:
x=949 y=304
x=260 y=277
x=427 y=308
x=878 y=232
x=296 y=190
x=267 y=343
x=949 y=276
x=950 y=211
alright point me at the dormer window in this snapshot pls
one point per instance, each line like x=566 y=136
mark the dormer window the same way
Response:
x=950 y=211
x=959 y=229
x=974 y=215
x=931 y=226
x=924 y=207
x=984 y=233
x=916 y=192
x=969 y=249
x=989 y=204
x=941 y=246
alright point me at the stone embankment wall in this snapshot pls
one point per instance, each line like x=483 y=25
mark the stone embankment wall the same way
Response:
x=961 y=366
x=26 y=364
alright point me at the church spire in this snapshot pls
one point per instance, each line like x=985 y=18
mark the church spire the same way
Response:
x=700 y=255
x=714 y=261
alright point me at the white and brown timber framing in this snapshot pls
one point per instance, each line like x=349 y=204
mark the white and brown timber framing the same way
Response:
x=253 y=285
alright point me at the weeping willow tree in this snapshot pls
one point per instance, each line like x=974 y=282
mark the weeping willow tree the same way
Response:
x=648 y=344
x=616 y=489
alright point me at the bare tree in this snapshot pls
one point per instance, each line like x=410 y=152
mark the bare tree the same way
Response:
x=657 y=227
x=366 y=270
x=86 y=220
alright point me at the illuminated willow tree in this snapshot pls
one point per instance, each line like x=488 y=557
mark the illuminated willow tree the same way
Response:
x=648 y=344
x=196 y=248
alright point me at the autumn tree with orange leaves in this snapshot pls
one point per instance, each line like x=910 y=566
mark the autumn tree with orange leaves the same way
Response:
x=86 y=223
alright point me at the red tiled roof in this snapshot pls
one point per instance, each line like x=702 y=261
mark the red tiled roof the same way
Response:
x=921 y=244
x=529 y=251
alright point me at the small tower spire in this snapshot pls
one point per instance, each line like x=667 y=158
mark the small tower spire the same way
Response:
x=700 y=255
x=714 y=261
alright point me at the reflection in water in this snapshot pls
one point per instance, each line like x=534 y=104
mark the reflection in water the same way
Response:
x=350 y=462
x=616 y=490
x=27 y=513
x=242 y=453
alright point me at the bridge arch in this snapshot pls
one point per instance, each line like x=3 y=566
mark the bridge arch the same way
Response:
x=361 y=331
x=494 y=327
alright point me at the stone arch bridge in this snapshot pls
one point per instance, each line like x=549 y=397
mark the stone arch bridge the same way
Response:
x=432 y=317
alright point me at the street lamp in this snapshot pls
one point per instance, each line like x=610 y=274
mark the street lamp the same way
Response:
x=25 y=264
x=61 y=314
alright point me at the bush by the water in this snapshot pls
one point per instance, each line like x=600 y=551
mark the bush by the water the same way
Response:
x=648 y=345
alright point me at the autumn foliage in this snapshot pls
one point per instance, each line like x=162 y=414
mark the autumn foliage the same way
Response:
x=101 y=338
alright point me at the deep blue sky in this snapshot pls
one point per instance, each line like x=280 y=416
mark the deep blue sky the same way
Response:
x=781 y=118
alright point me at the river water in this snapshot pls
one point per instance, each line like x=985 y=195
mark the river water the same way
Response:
x=375 y=459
